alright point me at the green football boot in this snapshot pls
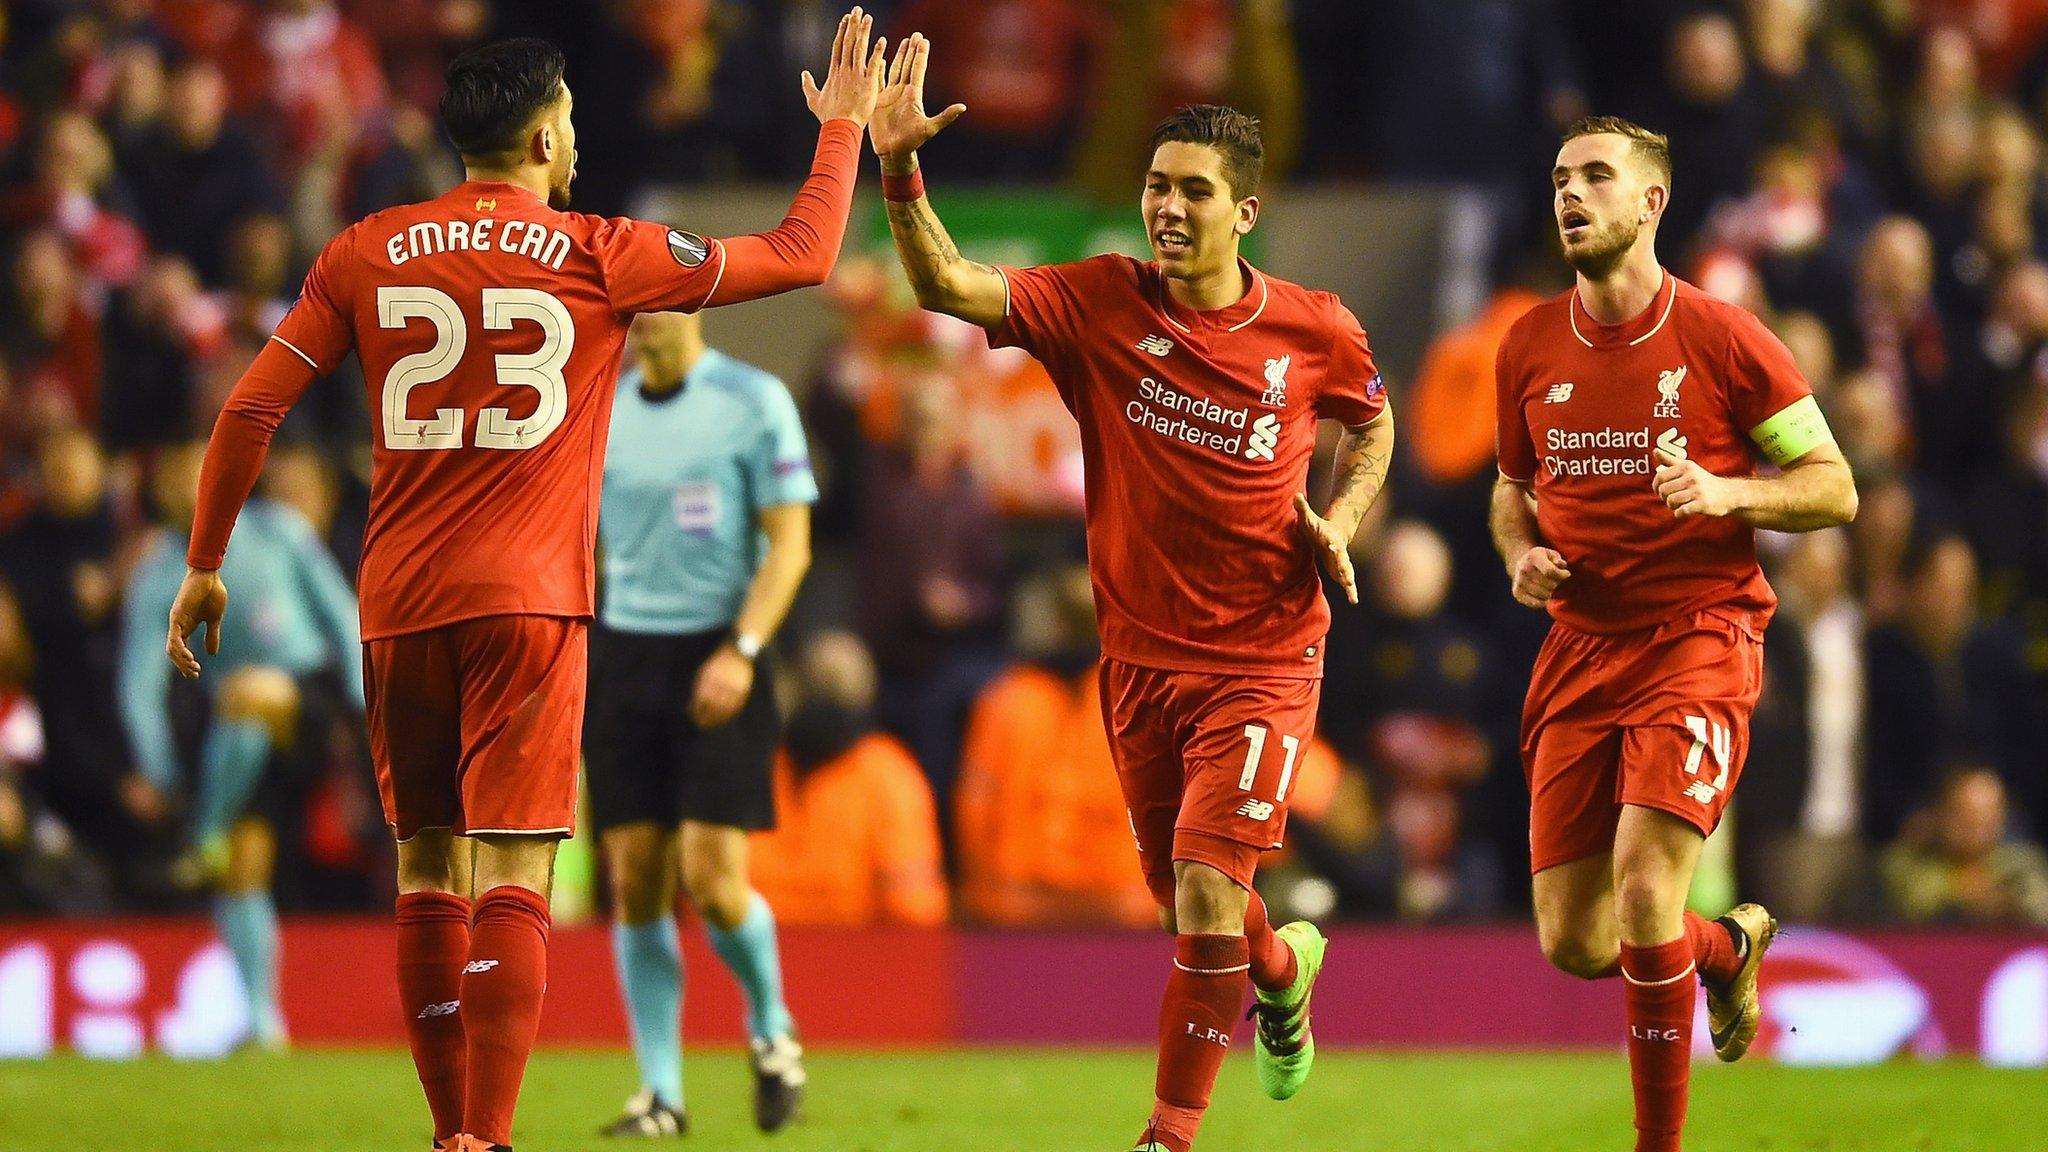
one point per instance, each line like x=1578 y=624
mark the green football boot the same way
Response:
x=1287 y=1050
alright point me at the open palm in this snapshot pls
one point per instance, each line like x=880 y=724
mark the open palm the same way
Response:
x=900 y=126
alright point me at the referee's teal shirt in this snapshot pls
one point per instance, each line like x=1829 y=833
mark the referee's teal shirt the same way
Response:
x=684 y=479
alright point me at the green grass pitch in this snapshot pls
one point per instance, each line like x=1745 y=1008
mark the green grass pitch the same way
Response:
x=1032 y=1101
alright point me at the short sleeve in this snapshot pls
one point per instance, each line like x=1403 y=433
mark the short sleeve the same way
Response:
x=1353 y=392
x=1516 y=454
x=318 y=326
x=654 y=268
x=781 y=460
x=1763 y=379
x=1045 y=308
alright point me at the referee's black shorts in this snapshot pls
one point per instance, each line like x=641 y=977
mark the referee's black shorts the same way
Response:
x=645 y=760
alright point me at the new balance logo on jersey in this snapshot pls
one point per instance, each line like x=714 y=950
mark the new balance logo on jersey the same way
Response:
x=1276 y=382
x=1156 y=345
x=1559 y=393
x=1701 y=791
x=1667 y=388
x=1257 y=809
x=476 y=966
x=1265 y=437
x=444 y=1008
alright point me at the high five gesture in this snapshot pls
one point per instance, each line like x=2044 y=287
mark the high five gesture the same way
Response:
x=900 y=126
x=854 y=78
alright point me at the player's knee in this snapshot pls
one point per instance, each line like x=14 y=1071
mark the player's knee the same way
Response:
x=261 y=695
x=1648 y=899
x=1206 y=902
x=426 y=863
x=516 y=861
x=1577 y=956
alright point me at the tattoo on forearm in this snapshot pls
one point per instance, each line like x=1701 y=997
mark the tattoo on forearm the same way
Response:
x=1362 y=471
x=922 y=238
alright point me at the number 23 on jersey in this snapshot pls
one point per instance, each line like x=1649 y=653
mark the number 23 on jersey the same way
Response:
x=540 y=369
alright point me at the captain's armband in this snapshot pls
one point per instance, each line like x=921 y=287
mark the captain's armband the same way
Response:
x=1797 y=429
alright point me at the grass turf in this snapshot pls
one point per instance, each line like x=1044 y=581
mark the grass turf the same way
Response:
x=1041 y=1101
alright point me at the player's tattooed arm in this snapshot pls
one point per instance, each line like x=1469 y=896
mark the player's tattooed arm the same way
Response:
x=1534 y=571
x=1364 y=454
x=944 y=280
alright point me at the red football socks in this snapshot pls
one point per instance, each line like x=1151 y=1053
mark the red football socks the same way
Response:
x=1273 y=964
x=1203 y=997
x=1662 y=986
x=1713 y=949
x=433 y=945
x=502 y=986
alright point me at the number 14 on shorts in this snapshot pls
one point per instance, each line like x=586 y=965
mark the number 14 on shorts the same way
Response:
x=1256 y=735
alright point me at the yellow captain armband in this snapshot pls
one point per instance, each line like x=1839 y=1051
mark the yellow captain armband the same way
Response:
x=1797 y=429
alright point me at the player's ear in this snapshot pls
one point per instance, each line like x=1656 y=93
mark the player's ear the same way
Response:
x=1247 y=215
x=1655 y=197
x=543 y=142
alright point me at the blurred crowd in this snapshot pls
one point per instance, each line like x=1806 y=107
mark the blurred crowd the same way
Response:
x=1867 y=175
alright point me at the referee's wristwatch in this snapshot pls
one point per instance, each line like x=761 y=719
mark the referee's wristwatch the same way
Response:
x=748 y=645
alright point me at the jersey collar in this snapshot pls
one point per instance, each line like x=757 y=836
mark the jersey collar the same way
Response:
x=1229 y=318
x=493 y=189
x=1630 y=332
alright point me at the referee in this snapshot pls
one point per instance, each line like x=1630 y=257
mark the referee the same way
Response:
x=706 y=534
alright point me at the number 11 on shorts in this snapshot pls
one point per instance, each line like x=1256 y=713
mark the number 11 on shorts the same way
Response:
x=1256 y=734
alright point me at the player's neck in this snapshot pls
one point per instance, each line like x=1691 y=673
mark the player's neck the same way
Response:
x=1622 y=294
x=534 y=180
x=1211 y=290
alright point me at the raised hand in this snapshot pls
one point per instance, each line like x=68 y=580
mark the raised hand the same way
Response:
x=202 y=599
x=900 y=126
x=1330 y=544
x=854 y=78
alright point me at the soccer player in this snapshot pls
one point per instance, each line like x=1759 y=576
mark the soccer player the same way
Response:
x=282 y=672
x=705 y=538
x=1198 y=382
x=1631 y=412
x=490 y=324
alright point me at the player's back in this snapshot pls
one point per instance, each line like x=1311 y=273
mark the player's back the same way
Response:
x=490 y=331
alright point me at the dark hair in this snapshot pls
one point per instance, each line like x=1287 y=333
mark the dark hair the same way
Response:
x=1232 y=133
x=495 y=92
x=1654 y=147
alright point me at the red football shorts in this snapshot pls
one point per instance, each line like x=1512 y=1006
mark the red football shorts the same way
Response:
x=1205 y=762
x=477 y=725
x=1657 y=718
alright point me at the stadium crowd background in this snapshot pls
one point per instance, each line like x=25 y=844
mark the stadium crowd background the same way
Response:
x=1868 y=175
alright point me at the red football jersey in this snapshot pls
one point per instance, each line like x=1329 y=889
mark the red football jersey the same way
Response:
x=1196 y=433
x=1581 y=407
x=490 y=328
x=486 y=467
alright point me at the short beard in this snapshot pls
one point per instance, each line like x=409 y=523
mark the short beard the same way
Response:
x=558 y=190
x=1598 y=260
